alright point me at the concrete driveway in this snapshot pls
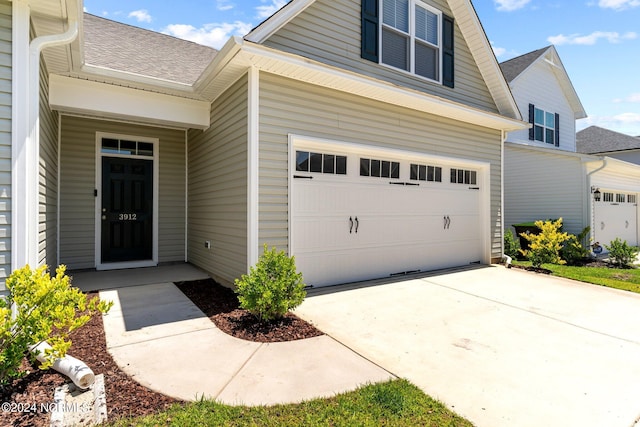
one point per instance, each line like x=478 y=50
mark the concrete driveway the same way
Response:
x=500 y=347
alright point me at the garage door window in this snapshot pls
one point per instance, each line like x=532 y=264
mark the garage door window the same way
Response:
x=321 y=163
x=379 y=168
x=607 y=197
x=621 y=198
x=461 y=176
x=631 y=198
x=426 y=173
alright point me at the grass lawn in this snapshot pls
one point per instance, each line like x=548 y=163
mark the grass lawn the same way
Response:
x=393 y=403
x=625 y=279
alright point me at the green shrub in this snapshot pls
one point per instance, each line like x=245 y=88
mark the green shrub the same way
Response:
x=272 y=287
x=574 y=252
x=45 y=308
x=621 y=253
x=511 y=245
x=544 y=247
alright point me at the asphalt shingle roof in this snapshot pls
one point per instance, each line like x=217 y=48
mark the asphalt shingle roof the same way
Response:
x=515 y=66
x=131 y=49
x=594 y=140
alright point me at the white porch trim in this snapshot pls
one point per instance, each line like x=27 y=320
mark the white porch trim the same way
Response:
x=71 y=95
x=253 y=174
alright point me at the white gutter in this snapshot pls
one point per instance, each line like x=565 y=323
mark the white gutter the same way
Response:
x=33 y=139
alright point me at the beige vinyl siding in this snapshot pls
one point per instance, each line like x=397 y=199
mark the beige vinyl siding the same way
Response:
x=329 y=31
x=78 y=181
x=543 y=185
x=218 y=188
x=5 y=140
x=48 y=189
x=288 y=107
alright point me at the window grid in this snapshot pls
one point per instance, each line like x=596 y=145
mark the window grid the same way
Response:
x=462 y=176
x=379 y=168
x=307 y=161
x=631 y=198
x=545 y=126
x=126 y=147
x=410 y=37
x=620 y=198
x=607 y=197
x=425 y=173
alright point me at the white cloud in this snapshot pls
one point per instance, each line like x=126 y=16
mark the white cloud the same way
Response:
x=214 y=35
x=618 y=4
x=141 y=15
x=634 y=97
x=224 y=5
x=498 y=51
x=267 y=10
x=591 y=39
x=627 y=123
x=510 y=5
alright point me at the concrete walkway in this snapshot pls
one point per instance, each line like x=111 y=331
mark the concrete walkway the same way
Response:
x=156 y=335
x=500 y=347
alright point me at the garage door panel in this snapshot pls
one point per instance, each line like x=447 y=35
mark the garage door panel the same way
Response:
x=415 y=226
x=615 y=220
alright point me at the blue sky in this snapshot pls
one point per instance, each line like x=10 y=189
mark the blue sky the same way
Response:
x=598 y=40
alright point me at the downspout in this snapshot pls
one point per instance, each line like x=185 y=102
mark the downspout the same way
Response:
x=32 y=186
x=505 y=257
x=591 y=212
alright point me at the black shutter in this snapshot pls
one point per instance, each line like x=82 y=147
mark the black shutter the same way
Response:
x=532 y=113
x=448 y=30
x=370 y=25
x=557 y=130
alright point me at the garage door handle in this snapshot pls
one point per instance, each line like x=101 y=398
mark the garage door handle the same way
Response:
x=447 y=222
x=357 y=225
x=350 y=225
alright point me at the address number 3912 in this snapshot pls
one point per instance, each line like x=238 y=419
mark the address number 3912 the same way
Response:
x=128 y=217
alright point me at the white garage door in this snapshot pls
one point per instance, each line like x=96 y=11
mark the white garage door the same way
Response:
x=356 y=216
x=616 y=217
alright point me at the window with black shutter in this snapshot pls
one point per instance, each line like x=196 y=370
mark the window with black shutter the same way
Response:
x=409 y=35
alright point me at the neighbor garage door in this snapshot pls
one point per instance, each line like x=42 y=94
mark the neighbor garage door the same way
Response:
x=616 y=217
x=363 y=215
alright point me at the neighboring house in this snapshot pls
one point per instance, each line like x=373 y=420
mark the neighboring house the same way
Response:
x=363 y=137
x=605 y=142
x=545 y=178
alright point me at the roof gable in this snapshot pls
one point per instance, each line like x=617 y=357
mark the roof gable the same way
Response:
x=516 y=68
x=467 y=19
x=594 y=139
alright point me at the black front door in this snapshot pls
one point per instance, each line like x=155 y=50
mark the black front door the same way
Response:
x=127 y=209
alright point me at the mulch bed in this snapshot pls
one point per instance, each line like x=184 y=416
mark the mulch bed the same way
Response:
x=220 y=304
x=125 y=397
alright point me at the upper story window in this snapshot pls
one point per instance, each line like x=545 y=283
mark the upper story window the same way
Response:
x=545 y=126
x=411 y=37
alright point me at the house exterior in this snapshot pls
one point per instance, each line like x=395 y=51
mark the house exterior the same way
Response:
x=605 y=142
x=545 y=176
x=364 y=140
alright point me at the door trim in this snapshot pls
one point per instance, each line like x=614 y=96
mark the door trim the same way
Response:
x=97 y=200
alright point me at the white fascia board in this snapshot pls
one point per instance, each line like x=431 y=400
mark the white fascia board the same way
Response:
x=278 y=20
x=303 y=69
x=71 y=95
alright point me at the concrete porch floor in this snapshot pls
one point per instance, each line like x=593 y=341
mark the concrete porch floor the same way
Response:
x=91 y=280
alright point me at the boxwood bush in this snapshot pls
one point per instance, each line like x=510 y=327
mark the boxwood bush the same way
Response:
x=272 y=287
